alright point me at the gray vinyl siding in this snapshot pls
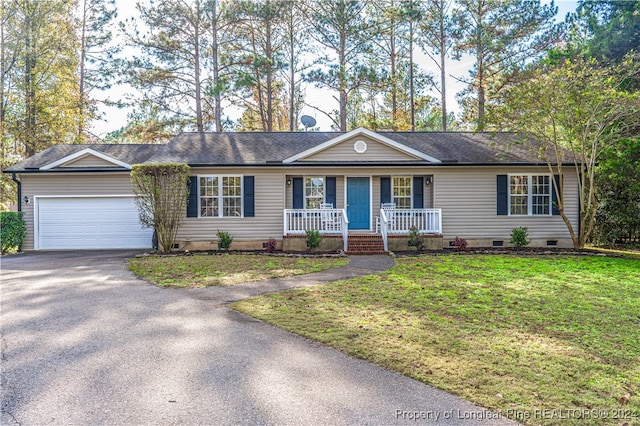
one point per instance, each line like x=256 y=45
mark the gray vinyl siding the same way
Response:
x=344 y=151
x=89 y=161
x=268 y=221
x=467 y=198
x=428 y=194
x=72 y=184
x=466 y=195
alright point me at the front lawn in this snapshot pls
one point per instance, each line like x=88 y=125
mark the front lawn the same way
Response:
x=533 y=337
x=227 y=269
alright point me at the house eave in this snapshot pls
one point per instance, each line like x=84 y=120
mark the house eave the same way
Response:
x=373 y=164
x=83 y=153
x=69 y=170
x=361 y=132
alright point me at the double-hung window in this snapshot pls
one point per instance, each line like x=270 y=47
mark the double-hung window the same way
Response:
x=313 y=192
x=220 y=196
x=530 y=194
x=402 y=192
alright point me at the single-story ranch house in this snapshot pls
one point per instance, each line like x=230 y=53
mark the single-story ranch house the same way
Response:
x=362 y=189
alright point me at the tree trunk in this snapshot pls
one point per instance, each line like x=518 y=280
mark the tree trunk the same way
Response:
x=411 y=87
x=269 y=74
x=480 y=70
x=394 y=78
x=343 y=82
x=443 y=75
x=81 y=94
x=196 y=71
x=292 y=73
x=216 y=72
x=29 y=88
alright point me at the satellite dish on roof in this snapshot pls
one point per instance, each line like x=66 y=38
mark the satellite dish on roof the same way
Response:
x=308 y=121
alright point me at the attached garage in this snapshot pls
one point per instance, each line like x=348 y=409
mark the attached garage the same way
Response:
x=88 y=223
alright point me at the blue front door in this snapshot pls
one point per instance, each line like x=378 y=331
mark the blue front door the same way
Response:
x=358 y=203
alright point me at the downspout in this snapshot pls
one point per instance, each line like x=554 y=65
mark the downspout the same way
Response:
x=19 y=184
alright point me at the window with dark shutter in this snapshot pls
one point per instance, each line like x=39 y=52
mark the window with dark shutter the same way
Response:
x=503 y=195
x=248 y=202
x=385 y=190
x=192 y=202
x=330 y=194
x=554 y=197
x=298 y=193
x=418 y=192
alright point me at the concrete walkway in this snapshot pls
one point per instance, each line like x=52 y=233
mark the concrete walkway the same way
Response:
x=85 y=342
x=357 y=266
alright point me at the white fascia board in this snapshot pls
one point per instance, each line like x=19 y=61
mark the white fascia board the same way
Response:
x=366 y=132
x=82 y=153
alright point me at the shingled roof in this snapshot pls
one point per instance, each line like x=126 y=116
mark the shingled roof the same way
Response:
x=127 y=153
x=256 y=148
x=264 y=148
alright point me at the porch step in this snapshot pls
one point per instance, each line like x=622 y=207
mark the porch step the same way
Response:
x=365 y=244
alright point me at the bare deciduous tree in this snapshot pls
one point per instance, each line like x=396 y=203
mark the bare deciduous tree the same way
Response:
x=161 y=197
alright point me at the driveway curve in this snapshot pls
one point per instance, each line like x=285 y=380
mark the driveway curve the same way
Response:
x=86 y=342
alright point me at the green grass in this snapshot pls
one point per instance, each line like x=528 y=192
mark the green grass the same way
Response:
x=515 y=334
x=224 y=270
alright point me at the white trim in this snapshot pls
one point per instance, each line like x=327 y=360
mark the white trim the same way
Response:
x=346 y=206
x=36 y=210
x=221 y=197
x=83 y=153
x=530 y=194
x=361 y=132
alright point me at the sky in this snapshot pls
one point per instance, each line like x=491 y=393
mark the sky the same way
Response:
x=115 y=118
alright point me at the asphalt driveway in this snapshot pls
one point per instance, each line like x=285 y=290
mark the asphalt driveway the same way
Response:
x=85 y=342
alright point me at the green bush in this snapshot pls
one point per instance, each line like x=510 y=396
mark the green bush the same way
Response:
x=519 y=237
x=416 y=239
x=224 y=240
x=314 y=238
x=13 y=229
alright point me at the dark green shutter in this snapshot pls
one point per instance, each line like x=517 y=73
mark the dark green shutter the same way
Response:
x=298 y=193
x=192 y=202
x=503 y=195
x=554 y=198
x=330 y=196
x=418 y=192
x=248 y=201
x=385 y=190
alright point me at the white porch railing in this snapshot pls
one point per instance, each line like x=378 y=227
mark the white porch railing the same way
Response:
x=327 y=221
x=400 y=221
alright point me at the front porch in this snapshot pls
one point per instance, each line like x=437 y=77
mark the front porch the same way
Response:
x=388 y=225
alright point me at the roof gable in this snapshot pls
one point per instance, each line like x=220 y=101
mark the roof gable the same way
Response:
x=86 y=158
x=387 y=149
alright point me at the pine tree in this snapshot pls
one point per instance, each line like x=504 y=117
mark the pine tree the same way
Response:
x=344 y=30
x=502 y=35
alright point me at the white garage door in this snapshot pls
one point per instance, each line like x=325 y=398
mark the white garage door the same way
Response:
x=90 y=223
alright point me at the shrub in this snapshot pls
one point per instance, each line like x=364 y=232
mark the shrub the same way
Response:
x=460 y=244
x=161 y=197
x=314 y=238
x=224 y=240
x=416 y=239
x=519 y=237
x=271 y=245
x=13 y=229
